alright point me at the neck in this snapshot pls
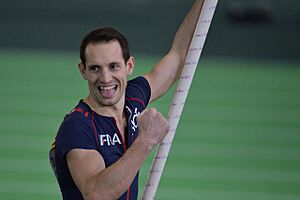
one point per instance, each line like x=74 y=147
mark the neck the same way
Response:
x=115 y=111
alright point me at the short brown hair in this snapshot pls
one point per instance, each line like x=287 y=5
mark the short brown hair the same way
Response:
x=104 y=34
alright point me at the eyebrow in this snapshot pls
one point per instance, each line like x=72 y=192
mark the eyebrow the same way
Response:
x=93 y=65
x=96 y=65
x=112 y=63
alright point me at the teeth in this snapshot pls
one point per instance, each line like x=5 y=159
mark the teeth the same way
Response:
x=107 y=87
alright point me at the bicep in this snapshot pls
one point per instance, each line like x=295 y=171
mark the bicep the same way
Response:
x=163 y=75
x=84 y=165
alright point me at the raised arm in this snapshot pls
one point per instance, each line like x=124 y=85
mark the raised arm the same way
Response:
x=95 y=181
x=168 y=69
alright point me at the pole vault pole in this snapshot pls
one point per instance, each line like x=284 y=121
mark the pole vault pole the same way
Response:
x=179 y=98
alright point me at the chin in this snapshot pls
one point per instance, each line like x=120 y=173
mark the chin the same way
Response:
x=110 y=102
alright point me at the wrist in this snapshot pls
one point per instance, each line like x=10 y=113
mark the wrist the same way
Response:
x=144 y=144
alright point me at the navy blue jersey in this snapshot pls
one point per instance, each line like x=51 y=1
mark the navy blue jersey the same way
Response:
x=85 y=129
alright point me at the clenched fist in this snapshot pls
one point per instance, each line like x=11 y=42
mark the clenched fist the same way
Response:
x=153 y=127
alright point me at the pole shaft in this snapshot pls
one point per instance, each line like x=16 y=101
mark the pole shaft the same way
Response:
x=180 y=96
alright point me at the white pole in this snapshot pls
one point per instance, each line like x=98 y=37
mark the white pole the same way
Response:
x=179 y=98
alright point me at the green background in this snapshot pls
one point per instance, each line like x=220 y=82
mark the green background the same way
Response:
x=150 y=25
x=238 y=137
x=239 y=134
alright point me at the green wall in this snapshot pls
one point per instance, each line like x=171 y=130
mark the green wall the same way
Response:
x=150 y=25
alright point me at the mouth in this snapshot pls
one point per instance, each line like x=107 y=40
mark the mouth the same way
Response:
x=107 y=91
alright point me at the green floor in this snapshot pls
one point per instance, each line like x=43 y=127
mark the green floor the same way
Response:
x=238 y=138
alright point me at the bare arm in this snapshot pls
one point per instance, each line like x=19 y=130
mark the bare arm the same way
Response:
x=168 y=69
x=97 y=182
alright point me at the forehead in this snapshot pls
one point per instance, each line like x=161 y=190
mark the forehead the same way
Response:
x=103 y=52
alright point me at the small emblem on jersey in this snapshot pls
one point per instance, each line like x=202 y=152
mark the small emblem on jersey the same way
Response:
x=133 y=117
x=109 y=140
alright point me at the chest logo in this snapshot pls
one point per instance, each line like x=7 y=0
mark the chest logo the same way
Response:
x=109 y=140
x=132 y=117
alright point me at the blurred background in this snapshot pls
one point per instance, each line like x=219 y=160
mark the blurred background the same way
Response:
x=239 y=135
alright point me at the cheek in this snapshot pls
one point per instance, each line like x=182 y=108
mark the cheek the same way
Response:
x=124 y=80
x=92 y=79
x=122 y=77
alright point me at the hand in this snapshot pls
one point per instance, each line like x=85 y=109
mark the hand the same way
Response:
x=153 y=127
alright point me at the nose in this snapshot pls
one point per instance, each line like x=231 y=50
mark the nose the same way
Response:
x=105 y=76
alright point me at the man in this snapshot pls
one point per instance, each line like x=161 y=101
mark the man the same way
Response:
x=102 y=143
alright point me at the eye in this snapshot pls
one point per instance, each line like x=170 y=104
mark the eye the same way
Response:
x=114 y=66
x=94 y=68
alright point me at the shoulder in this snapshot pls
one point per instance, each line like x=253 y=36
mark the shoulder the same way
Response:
x=138 y=89
x=76 y=118
x=76 y=131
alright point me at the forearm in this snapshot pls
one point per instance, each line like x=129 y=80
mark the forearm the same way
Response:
x=168 y=69
x=113 y=181
x=186 y=30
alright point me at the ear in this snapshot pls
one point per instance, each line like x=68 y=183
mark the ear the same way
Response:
x=130 y=65
x=82 y=70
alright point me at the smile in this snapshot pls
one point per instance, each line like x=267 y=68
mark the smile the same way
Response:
x=107 y=91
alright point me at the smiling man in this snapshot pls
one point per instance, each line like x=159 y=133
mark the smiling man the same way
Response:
x=103 y=141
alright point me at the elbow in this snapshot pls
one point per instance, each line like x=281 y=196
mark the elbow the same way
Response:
x=178 y=64
x=180 y=51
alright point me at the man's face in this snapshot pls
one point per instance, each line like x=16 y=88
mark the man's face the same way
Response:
x=106 y=72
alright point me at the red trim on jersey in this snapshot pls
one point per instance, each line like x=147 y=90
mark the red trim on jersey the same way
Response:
x=136 y=99
x=128 y=194
x=124 y=145
x=120 y=133
x=132 y=137
x=86 y=114
x=78 y=110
